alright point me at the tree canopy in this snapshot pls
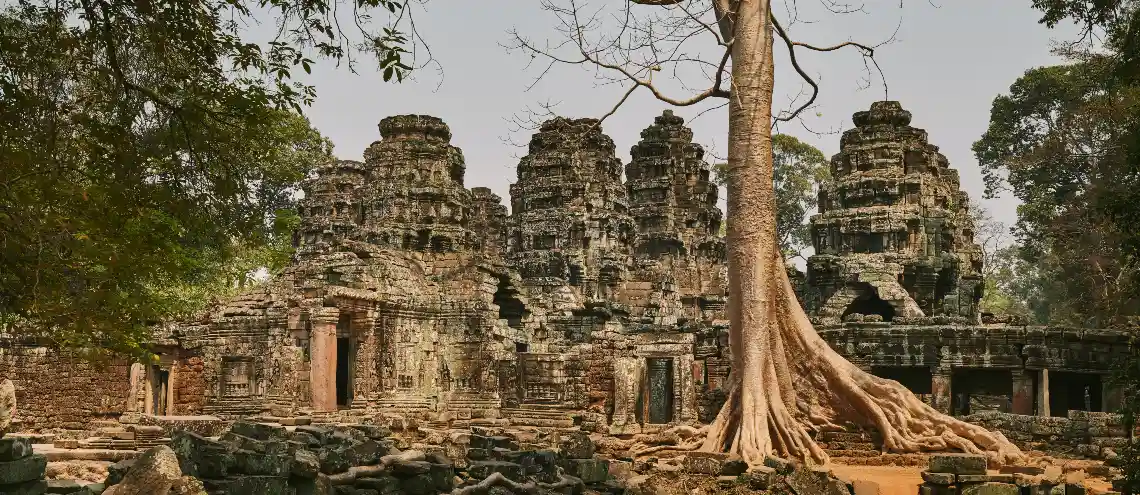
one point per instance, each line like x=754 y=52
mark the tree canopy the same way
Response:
x=1063 y=141
x=150 y=152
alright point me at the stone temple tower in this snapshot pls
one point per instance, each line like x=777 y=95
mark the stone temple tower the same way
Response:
x=570 y=222
x=416 y=198
x=893 y=238
x=672 y=198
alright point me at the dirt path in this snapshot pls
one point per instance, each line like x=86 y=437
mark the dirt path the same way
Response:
x=891 y=480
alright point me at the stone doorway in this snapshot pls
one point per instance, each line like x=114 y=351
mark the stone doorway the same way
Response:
x=159 y=380
x=1071 y=391
x=344 y=365
x=657 y=396
x=869 y=303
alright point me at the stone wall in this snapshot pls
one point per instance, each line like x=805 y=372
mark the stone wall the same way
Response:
x=1079 y=435
x=63 y=391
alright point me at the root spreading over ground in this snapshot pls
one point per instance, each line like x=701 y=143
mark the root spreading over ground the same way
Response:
x=788 y=383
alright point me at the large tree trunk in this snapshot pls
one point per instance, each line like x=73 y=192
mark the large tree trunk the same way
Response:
x=786 y=382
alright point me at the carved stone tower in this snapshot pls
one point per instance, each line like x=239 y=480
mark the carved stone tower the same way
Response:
x=570 y=222
x=330 y=211
x=672 y=198
x=416 y=198
x=893 y=238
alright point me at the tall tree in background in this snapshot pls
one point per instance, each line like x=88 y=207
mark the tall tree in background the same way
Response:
x=150 y=151
x=1059 y=141
x=797 y=170
x=786 y=382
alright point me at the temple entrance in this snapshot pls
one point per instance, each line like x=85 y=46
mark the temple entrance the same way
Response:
x=343 y=371
x=981 y=389
x=159 y=388
x=1070 y=391
x=658 y=390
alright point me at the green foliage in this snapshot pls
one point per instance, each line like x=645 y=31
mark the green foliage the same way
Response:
x=798 y=168
x=149 y=155
x=1059 y=142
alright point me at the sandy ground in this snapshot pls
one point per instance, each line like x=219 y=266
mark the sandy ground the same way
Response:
x=895 y=480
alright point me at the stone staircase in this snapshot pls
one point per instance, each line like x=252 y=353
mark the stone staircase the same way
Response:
x=405 y=404
x=541 y=416
x=857 y=447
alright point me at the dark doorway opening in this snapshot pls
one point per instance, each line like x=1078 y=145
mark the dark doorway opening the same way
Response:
x=1070 y=391
x=659 y=390
x=869 y=303
x=522 y=347
x=343 y=371
x=981 y=389
x=160 y=385
x=917 y=379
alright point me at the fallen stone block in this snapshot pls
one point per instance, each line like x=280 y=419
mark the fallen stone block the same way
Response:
x=36 y=487
x=29 y=468
x=259 y=431
x=480 y=470
x=153 y=473
x=588 y=470
x=938 y=478
x=14 y=448
x=815 y=481
x=985 y=478
x=989 y=489
x=63 y=486
x=257 y=463
x=760 y=478
x=575 y=445
x=253 y=485
x=958 y=463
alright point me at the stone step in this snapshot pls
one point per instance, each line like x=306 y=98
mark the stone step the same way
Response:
x=847 y=436
x=849 y=446
x=852 y=453
x=903 y=460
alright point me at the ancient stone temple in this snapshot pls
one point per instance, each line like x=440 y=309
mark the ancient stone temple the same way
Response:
x=597 y=301
x=893 y=237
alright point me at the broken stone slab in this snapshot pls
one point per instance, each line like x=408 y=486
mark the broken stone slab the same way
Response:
x=781 y=465
x=760 y=477
x=154 y=473
x=256 y=463
x=932 y=489
x=943 y=479
x=259 y=431
x=14 y=448
x=29 y=468
x=989 y=489
x=815 y=481
x=713 y=463
x=201 y=457
x=253 y=485
x=958 y=463
x=305 y=464
x=480 y=470
x=374 y=432
x=575 y=445
x=64 y=486
x=588 y=470
x=36 y=487
x=542 y=464
x=985 y=478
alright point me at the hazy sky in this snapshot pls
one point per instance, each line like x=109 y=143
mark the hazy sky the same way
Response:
x=948 y=61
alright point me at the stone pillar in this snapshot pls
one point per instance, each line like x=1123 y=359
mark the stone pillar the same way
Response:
x=1022 y=391
x=365 y=382
x=1043 y=393
x=940 y=389
x=322 y=358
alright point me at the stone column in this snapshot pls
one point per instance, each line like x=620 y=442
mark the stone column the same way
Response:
x=1043 y=393
x=322 y=358
x=940 y=389
x=1022 y=391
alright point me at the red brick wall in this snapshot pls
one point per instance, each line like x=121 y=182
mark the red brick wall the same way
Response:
x=58 y=390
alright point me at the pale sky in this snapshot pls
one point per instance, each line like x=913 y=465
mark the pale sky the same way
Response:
x=949 y=60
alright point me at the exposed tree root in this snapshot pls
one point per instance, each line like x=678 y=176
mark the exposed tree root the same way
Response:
x=529 y=488
x=797 y=385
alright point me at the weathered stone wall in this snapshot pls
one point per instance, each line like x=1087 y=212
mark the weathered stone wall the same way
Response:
x=62 y=391
x=189 y=387
x=1081 y=434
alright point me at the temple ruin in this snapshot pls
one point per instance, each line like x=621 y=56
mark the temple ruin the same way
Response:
x=597 y=301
